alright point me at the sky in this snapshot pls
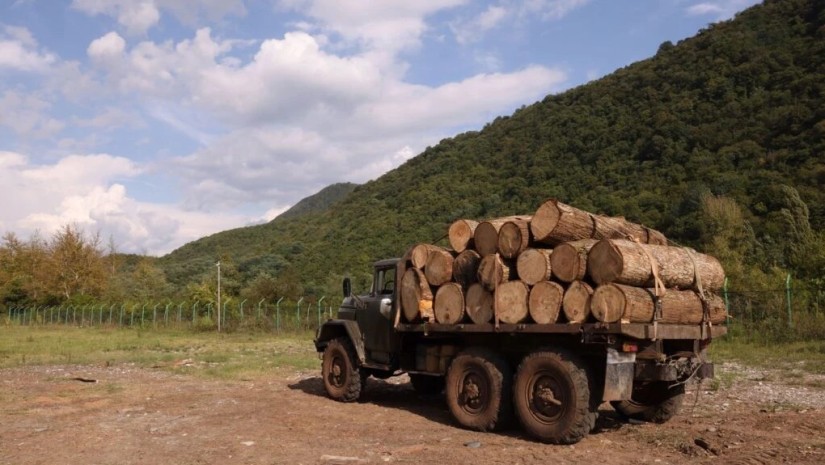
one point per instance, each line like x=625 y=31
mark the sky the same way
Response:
x=156 y=122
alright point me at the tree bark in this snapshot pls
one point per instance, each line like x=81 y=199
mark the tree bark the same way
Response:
x=439 y=268
x=514 y=236
x=510 y=302
x=420 y=253
x=479 y=303
x=569 y=260
x=545 y=302
x=449 y=304
x=576 y=303
x=626 y=262
x=617 y=302
x=533 y=265
x=416 y=296
x=492 y=271
x=465 y=268
x=486 y=234
x=555 y=222
x=461 y=234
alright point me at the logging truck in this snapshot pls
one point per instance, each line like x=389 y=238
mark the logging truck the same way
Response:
x=550 y=376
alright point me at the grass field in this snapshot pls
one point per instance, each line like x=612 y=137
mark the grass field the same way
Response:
x=244 y=354
x=216 y=355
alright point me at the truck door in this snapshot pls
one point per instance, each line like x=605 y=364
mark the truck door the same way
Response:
x=376 y=320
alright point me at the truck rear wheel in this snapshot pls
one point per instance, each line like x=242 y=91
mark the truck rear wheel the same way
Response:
x=342 y=379
x=655 y=402
x=478 y=390
x=552 y=398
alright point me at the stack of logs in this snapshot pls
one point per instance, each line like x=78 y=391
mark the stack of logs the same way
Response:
x=560 y=265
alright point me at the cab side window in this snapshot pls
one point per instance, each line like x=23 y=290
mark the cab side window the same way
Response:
x=385 y=281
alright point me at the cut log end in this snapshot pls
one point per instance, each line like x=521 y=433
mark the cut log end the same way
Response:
x=608 y=303
x=604 y=262
x=479 y=304
x=461 y=234
x=486 y=238
x=576 y=303
x=449 y=304
x=545 y=220
x=510 y=302
x=416 y=296
x=545 y=302
x=533 y=265
x=465 y=268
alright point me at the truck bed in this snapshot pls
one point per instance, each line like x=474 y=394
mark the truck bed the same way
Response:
x=634 y=330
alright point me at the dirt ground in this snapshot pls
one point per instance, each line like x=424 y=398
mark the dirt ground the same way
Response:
x=128 y=415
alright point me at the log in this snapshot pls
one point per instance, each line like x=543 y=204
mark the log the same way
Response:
x=510 y=302
x=439 y=268
x=420 y=253
x=514 y=236
x=479 y=304
x=545 y=302
x=465 y=268
x=555 y=222
x=614 y=302
x=626 y=262
x=576 y=302
x=416 y=296
x=617 y=302
x=492 y=271
x=533 y=265
x=569 y=260
x=486 y=233
x=461 y=234
x=449 y=304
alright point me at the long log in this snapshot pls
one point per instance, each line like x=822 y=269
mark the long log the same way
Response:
x=569 y=260
x=493 y=271
x=545 y=302
x=420 y=253
x=479 y=304
x=510 y=302
x=555 y=222
x=461 y=234
x=617 y=302
x=416 y=296
x=576 y=302
x=486 y=233
x=626 y=262
x=514 y=236
x=533 y=265
x=449 y=304
x=439 y=268
x=465 y=268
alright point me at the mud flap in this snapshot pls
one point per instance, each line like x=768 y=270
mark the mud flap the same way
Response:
x=619 y=372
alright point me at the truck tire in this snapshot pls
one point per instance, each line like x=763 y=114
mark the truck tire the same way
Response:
x=342 y=378
x=478 y=389
x=655 y=402
x=552 y=397
x=427 y=385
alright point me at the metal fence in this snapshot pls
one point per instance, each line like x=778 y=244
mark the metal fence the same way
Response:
x=280 y=315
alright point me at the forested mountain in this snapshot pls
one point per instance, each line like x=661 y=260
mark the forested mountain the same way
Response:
x=319 y=201
x=717 y=138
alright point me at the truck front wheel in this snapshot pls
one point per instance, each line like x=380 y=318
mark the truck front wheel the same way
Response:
x=552 y=398
x=478 y=389
x=655 y=402
x=342 y=379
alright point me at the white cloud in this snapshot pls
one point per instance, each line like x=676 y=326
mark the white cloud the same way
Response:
x=106 y=49
x=84 y=190
x=138 y=16
x=719 y=9
x=553 y=10
x=18 y=51
x=472 y=30
x=28 y=115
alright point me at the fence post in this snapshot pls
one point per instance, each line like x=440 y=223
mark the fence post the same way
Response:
x=194 y=312
x=278 y=314
x=298 y=310
x=166 y=314
x=180 y=311
x=155 y=316
x=258 y=317
x=788 y=293
x=241 y=308
x=319 y=309
x=111 y=310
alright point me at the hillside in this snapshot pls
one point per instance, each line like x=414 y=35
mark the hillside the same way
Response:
x=319 y=201
x=737 y=111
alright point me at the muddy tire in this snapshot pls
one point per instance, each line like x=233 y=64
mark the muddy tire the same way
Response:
x=427 y=385
x=655 y=402
x=339 y=368
x=478 y=389
x=551 y=395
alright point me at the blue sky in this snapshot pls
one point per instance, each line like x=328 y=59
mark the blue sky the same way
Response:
x=156 y=122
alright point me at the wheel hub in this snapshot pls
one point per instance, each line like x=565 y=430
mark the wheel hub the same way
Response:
x=472 y=393
x=546 y=403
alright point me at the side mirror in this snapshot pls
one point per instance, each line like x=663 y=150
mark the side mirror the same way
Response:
x=347 y=287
